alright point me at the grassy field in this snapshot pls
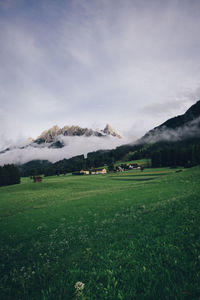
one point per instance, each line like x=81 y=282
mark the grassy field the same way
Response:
x=141 y=162
x=131 y=235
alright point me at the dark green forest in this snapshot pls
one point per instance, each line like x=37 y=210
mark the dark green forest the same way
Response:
x=9 y=174
x=162 y=154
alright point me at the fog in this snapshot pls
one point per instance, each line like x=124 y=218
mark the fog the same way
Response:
x=22 y=151
x=190 y=130
x=73 y=146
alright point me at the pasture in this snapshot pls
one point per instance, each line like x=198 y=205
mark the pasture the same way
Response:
x=130 y=235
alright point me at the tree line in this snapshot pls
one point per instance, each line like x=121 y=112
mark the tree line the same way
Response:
x=9 y=174
x=162 y=154
x=180 y=154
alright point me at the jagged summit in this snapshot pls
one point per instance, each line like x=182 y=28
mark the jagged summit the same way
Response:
x=50 y=135
x=109 y=130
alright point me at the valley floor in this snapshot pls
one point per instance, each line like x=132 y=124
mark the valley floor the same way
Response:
x=131 y=235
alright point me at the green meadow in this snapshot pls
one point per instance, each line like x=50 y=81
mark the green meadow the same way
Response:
x=141 y=162
x=130 y=235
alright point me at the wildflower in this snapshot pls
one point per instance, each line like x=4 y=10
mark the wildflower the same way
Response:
x=79 y=286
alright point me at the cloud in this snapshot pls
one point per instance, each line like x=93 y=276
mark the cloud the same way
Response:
x=189 y=130
x=168 y=108
x=80 y=62
x=73 y=146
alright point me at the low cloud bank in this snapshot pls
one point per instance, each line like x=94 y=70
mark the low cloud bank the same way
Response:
x=77 y=145
x=73 y=146
x=190 y=130
x=19 y=142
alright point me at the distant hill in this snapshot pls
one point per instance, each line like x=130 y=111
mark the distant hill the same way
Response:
x=179 y=128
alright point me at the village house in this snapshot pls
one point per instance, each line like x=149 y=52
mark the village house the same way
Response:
x=134 y=167
x=85 y=172
x=99 y=171
x=92 y=172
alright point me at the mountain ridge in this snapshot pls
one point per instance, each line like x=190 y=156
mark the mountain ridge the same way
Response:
x=177 y=128
x=183 y=127
x=57 y=143
x=51 y=135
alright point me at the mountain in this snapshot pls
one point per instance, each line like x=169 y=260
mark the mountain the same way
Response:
x=58 y=143
x=176 y=142
x=179 y=128
x=177 y=137
x=54 y=134
x=54 y=137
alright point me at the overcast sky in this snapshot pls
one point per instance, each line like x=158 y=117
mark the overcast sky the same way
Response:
x=130 y=63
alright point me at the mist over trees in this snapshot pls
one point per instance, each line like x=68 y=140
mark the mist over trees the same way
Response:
x=162 y=154
x=174 y=143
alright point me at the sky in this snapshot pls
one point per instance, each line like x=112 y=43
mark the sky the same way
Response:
x=130 y=63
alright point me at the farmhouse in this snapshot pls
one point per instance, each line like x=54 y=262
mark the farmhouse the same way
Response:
x=37 y=178
x=85 y=172
x=99 y=171
x=133 y=167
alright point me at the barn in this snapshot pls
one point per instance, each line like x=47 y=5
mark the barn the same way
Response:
x=37 y=178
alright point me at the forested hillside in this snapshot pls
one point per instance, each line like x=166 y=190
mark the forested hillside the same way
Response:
x=176 y=142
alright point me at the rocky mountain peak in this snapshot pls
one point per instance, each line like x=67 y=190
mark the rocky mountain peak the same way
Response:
x=109 y=131
x=51 y=135
x=48 y=135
